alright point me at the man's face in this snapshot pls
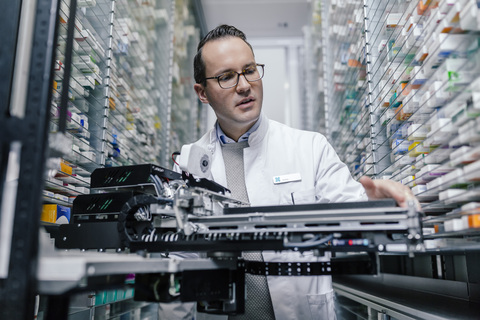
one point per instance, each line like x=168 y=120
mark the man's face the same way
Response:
x=237 y=108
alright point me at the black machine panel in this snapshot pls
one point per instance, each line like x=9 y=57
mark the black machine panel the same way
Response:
x=130 y=175
x=99 y=206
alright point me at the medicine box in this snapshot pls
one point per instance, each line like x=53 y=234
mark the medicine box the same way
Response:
x=55 y=213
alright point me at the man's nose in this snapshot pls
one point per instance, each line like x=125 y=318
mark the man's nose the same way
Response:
x=243 y=84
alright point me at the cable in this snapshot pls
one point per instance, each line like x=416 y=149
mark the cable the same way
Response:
x=176 y=153
x=309 y=243
x=158 y=183
x=143 y=214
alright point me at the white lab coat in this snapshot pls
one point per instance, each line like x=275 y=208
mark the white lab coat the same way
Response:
x=276 y=150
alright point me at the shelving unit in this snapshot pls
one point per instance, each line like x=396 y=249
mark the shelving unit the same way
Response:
x=346 y=96
x=403 y=106
x=188 y=114
x=95 y=78
x=121 y=110
x=128 y=103
x=118 y=90
x=402 y=103
x=313 y=113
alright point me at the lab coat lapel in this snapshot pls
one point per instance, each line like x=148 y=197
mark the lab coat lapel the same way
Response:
x=218 y=165
x=255 y=157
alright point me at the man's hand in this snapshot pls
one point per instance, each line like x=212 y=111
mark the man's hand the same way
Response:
x=378 y=189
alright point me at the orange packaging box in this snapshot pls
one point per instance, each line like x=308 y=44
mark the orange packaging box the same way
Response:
x=474 y=221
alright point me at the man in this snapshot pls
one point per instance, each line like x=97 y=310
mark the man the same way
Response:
x=267 y=163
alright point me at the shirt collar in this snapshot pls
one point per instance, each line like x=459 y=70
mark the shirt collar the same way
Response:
x=222 y=137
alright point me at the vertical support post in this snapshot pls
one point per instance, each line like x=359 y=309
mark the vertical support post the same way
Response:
x=168 y=126
x=380 y=150
x=28 y=136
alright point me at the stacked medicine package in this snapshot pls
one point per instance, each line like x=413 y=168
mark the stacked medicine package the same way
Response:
x=406 y=93
x=118 y=94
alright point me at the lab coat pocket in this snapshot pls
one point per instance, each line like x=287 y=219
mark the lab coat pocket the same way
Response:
x=299 y=197
x=322 y=306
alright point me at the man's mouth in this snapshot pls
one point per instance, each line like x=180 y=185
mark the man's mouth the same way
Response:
x=245 y=101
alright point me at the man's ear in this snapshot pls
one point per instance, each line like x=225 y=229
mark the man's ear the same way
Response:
x=200 y=90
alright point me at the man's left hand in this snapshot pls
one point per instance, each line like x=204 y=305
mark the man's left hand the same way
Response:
x=379 y=189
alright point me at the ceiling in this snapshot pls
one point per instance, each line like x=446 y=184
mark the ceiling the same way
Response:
x=259 y=18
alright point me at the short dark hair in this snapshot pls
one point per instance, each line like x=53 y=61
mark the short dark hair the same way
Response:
x=222 y=31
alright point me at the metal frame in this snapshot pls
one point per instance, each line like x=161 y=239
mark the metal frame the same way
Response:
x=27 y=137
x=403 y=297
x=377 y=133
x=168 y=126
x=63 y=272
x=9 y=24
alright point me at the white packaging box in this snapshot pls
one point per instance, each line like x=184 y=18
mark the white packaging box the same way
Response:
x=75 y=123
x=416 y=36
x=429 y=170
x=54 y=180
x=459 y=153
x=407 y=180
x=418 y=189
x=442 y=125
x=86 y=81
x=419 y=76
x=470 y=17
x=454 y=225
x=412 y=102
x=471 y=136
x=472 y=171
x=466 y=158
x=86 y=3
x=458 y=71
x=417 y=131
x=454 y=177
x=434 y=183
x=470 y=206
x=450 y=194
x=83 y=190
x=47 y=193
x=437 y=96
x=60 y=197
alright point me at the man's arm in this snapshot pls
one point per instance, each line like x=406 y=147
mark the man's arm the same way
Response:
x=378 y=189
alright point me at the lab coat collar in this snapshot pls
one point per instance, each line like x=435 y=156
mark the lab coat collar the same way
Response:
x=255 y=137
x=213 y=139
x=258 y=135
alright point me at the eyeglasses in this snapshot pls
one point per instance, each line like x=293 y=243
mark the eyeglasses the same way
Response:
x=230 y=79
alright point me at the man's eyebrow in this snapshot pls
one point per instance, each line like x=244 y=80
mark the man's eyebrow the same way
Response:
x=249 y=65
x=230 y=69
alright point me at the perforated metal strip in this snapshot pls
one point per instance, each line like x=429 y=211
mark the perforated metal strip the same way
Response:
x=288 y=268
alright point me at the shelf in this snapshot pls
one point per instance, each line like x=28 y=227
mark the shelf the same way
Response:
x=59 y=272
x=410 y=300
x=404 y=100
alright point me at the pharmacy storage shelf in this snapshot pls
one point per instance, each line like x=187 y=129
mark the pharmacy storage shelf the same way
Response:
x=87 y=83
x=312 y=110
x=403 y=101
x=130 y=97
x=187 y=114
x=403 y=105
x=346 y=91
